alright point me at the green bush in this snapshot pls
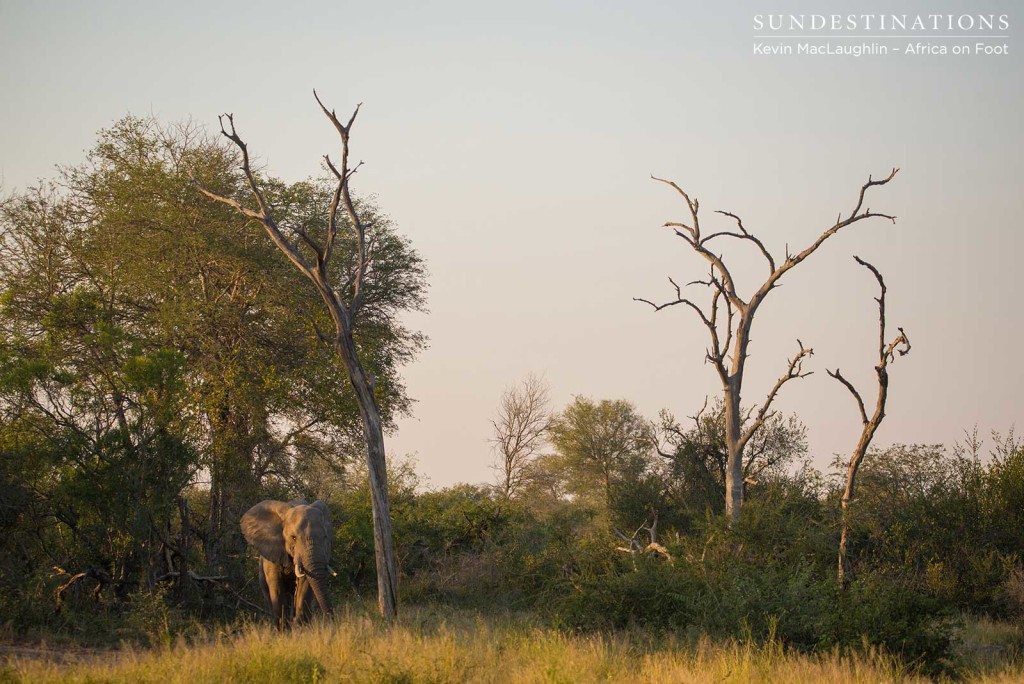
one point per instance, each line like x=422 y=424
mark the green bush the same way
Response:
x=891 y=611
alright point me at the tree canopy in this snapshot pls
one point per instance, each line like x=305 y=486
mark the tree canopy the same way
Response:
x=151 y=340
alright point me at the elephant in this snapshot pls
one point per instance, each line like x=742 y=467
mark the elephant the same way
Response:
x=294 y=543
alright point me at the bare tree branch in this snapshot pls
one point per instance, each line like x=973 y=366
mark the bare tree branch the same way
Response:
x=855 y=216
x=886 y=353
x=744 y=235
x=794 y=371
x=264 y=215
x=694 y=241
x=730 y=358
x=636 y=547
x=853 y=390
x=343 y=176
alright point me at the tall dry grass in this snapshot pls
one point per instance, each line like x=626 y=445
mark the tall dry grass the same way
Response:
x=428 y=646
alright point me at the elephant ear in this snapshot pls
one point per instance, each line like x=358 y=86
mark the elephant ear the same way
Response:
x=263 y=527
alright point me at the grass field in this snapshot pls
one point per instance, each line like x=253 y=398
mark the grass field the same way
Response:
x=434 y=645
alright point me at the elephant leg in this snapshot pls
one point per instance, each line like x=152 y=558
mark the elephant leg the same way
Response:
x=300 y=598
x=303 y=592
x=287 y=597
x=264 y=587
x=278 y=594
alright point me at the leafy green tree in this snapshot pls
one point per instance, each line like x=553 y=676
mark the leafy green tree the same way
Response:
x=247 y=321
x=606 y=454
x=148 y=342
x=90 y=412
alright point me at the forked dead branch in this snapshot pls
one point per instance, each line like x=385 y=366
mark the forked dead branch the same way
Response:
x=729 y=318
x=886 y=354
x=344 y=300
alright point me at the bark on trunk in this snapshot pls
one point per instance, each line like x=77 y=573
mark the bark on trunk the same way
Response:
x=868 y=433
x=384 y=553
x=844 y=563
x=231 y=482
x=734 y=464
x=184 y=545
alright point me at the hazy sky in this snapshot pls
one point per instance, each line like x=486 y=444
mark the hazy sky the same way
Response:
x=513 y=143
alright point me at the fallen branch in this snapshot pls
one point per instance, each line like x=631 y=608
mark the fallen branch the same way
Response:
x=654 y=548
x=101 y=577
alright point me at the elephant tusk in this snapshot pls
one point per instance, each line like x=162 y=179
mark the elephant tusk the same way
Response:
x=332 y=571
x=298 y=571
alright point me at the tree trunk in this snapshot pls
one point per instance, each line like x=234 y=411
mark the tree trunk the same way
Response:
x=211 y=542
x=868 y=433
x=844 y=564
x=870 y=425
x=376 y=463
x=231 y=484
x=734 y=463
x=184 y=545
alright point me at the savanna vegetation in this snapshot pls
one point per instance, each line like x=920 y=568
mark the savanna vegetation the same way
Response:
x=163 y=368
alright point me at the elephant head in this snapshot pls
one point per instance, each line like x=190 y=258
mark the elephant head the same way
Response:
x=296 y=537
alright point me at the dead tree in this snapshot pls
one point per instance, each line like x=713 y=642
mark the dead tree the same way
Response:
x=519 y=431
x=344 y=304
x=729 y=319
x=886 y=354
x=635 y=546
x=101 y=577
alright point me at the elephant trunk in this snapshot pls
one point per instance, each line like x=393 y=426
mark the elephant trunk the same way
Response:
x=316 y=572
x=318 y=582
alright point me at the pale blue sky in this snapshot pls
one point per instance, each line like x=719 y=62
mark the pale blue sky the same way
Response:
x=513 y=142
